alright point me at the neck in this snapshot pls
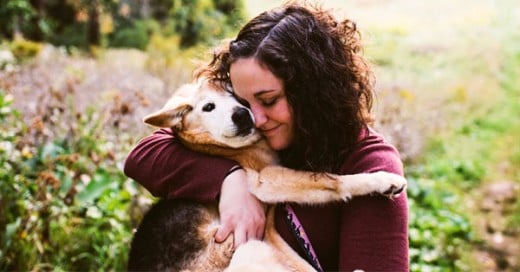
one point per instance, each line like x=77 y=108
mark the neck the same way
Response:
x=255 y=156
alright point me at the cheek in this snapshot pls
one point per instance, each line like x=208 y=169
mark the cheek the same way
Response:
x=285 y=112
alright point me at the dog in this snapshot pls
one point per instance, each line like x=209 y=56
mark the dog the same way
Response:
x=177 y=235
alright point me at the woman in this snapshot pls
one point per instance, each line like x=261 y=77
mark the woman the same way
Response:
x=300 y=72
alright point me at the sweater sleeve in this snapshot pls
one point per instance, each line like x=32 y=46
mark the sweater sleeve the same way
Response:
x=374 y=229
x=168 y=169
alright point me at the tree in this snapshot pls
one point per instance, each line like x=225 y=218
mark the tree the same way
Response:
x=15 y=17
x=93 y=33
x=204 y=20
x=78 y=22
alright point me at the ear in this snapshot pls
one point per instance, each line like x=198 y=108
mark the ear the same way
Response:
x=168 y=118
x=172 y=113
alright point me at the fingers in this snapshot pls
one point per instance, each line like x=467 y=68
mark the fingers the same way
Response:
x=222 y=233
x=259 y=235
x=240 y=235
x=241 y=213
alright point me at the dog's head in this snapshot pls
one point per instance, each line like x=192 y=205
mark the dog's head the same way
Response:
x=202 y=114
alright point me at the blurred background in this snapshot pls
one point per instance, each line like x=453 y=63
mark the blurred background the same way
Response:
x=77 y=76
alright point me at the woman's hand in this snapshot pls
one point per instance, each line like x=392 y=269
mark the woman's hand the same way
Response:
x=241 y=213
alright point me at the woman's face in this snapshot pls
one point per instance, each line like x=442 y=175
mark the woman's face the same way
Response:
x=265 y=94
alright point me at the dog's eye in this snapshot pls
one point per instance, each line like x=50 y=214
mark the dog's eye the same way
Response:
x=208 y=107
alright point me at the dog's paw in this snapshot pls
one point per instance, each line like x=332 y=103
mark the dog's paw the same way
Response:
x=394 y=191
x=392 y=185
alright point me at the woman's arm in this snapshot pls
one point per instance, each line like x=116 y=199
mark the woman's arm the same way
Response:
x=168 y=169
x=374 y=229
x=241 y=213
x=374 y=234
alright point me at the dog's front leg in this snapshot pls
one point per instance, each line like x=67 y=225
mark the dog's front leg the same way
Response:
x=275 y=184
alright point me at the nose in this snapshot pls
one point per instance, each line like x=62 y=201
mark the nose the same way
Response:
x=259 y=114
x=242 y=118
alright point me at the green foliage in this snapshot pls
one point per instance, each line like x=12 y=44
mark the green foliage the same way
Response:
x=71 y=23
x=49 y=21
x=439 y=233
x=64 y=204
x=483 y=148
x=72 y=35
x=511 y=108
x=24 y=49
x=15 y=15
x=135 y=35
x=204 y=21
x=463 y=172
x=234 y=9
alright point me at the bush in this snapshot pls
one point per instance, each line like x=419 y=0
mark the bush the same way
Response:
x=204 y=21
x=72 y=35
x=134 y=35
x=439 y=233
x=24 y=49
x=64 y=204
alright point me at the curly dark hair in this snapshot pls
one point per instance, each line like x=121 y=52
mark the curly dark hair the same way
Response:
x=327 y=81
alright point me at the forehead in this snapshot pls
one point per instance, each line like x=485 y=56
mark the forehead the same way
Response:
x=249 y=77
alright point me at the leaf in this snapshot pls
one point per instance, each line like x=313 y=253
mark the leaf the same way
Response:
x=10 y=230
x=50 y=151
x=101 y=182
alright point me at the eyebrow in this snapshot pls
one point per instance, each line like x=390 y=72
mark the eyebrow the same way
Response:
x=260 y=93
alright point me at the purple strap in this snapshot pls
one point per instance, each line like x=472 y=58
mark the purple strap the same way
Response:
x=302 y=237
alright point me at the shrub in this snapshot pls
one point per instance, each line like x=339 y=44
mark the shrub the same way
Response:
x=204 y=21
x=24 y=49
x=72 y=35
x=64 y=204
x=134 y=35
x=439 y=232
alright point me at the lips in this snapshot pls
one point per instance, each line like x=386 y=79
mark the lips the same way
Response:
x=270 y=131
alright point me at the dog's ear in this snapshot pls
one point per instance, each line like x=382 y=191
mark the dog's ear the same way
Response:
x=168 y=118
x=172 y=113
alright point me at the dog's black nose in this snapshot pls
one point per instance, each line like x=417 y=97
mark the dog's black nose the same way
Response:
x=243 y=121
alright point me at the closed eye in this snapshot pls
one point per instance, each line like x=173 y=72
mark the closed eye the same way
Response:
x=269 y=102
x=208 y=107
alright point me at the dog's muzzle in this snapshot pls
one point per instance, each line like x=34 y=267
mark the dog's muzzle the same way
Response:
x=243 y=121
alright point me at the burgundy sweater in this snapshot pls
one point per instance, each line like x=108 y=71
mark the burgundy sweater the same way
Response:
x=368 y=233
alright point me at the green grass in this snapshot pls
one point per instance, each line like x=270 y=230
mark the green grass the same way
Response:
x=482 y=148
